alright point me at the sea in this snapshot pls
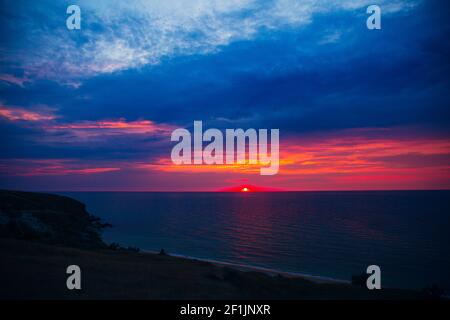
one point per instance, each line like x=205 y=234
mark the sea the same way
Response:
x=324 y=234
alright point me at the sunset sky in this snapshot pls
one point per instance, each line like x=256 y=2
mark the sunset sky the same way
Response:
x=93 y=109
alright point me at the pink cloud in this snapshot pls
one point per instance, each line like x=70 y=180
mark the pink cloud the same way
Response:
x=51 y=167
x=13 y=79
x=112 y=126
x=41 y=113
x=43 y=117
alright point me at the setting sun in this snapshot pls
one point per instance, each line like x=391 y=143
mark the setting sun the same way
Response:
x=248 y=188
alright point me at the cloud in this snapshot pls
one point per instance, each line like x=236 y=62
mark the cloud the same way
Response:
x=358 y=159
x=44 y=117
x=12 y=79
x=384 y=157
x=112 y=127
x=121 y=35
x=331 y=37
x=38 y=113
x=40 y=126
x=50 y=167
x=113 y=134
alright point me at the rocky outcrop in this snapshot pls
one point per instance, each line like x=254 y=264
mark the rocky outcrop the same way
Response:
x=50 y=219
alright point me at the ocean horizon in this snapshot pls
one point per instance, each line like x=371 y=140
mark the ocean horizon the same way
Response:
x=326 y=234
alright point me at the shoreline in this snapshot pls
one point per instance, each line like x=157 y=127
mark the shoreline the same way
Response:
x=268 y=271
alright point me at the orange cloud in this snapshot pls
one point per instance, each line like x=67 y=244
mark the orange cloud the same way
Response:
x=166 y=165
x=349 y=154
x=351 y=159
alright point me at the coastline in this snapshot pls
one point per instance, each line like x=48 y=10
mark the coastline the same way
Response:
x=264 y=270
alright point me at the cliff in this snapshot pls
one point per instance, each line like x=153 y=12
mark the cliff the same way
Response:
x=50 y=219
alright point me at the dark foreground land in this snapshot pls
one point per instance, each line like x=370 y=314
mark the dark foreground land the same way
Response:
x=41 y=235
x=37 y=271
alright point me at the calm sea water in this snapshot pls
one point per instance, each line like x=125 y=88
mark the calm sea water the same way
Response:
x=332 y=234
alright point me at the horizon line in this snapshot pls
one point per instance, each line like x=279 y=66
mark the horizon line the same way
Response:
x=222 y=191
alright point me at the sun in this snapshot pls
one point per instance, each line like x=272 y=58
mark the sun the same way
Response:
x=245 y=189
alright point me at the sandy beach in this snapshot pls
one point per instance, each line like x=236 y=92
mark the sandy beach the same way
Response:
x=267 y=271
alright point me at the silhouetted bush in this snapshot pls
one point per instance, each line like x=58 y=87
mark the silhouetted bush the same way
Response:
x=133 y=249
x=433 y=292
x=360 y=280
x=117 y=247
x=114 y=246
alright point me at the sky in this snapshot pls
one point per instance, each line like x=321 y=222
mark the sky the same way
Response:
x=93 y=109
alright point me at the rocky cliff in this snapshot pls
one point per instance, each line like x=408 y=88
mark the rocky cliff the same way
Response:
x=50 y=219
